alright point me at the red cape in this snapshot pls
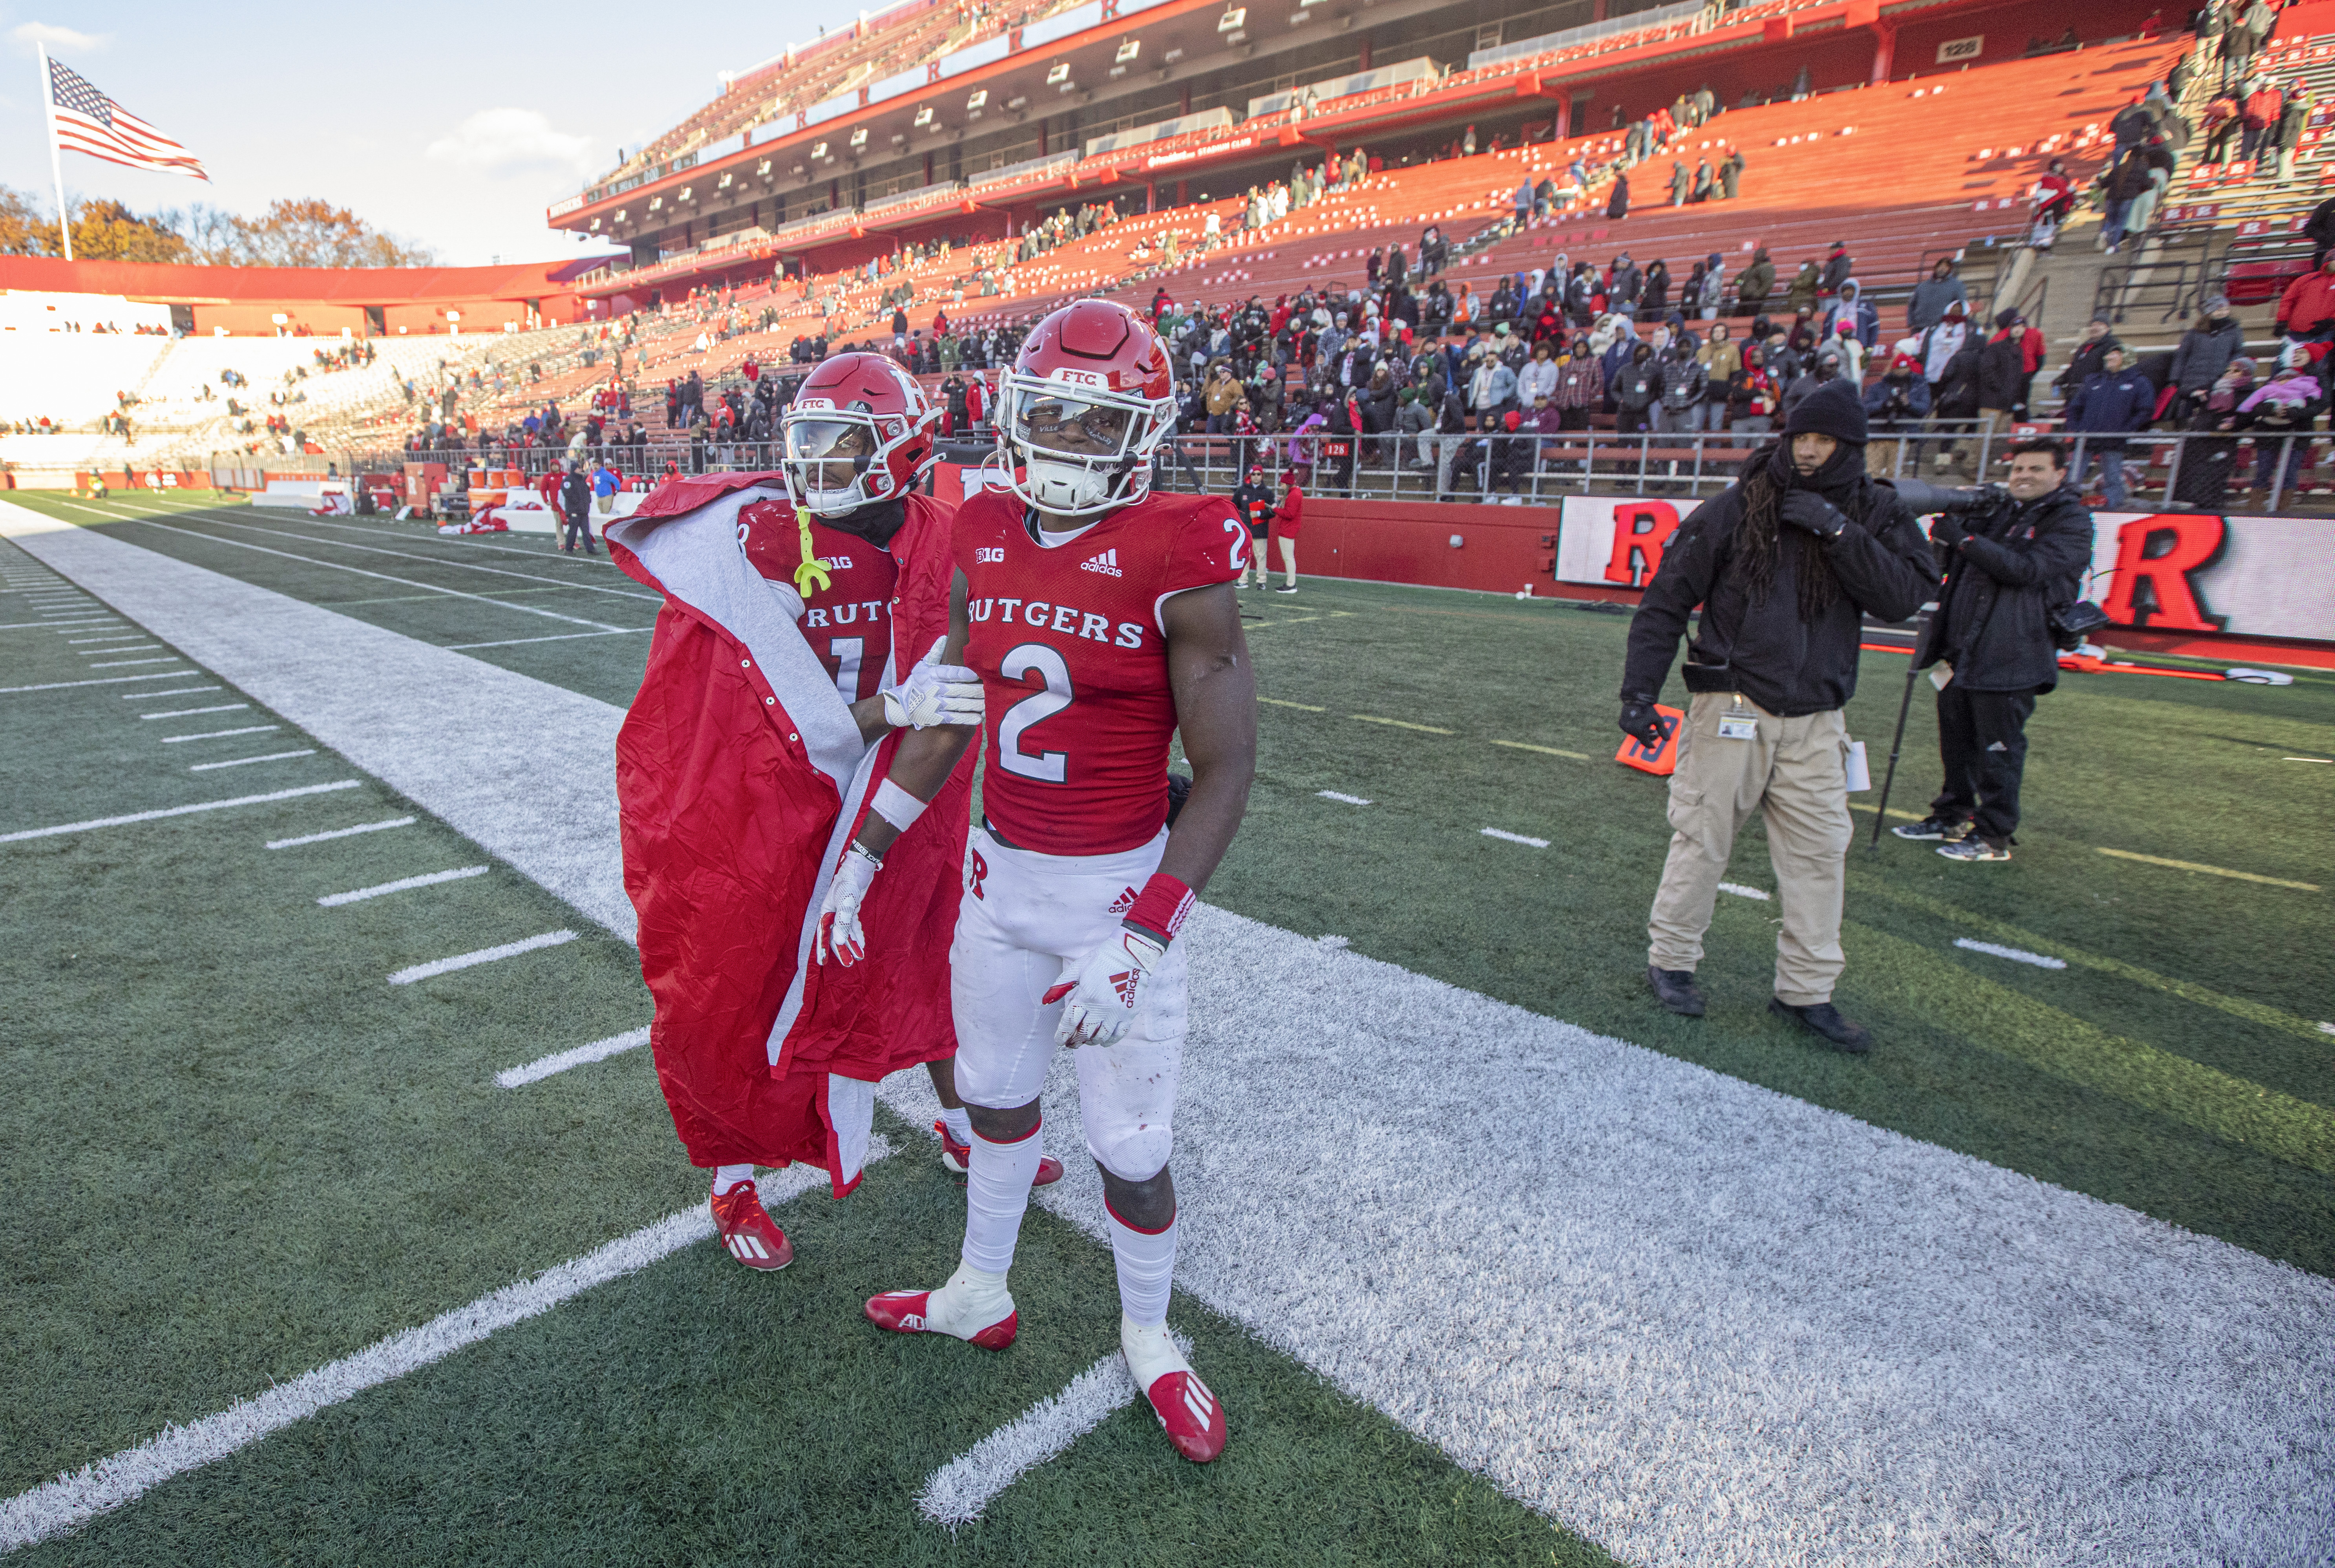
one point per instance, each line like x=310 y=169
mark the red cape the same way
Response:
x=739 y=779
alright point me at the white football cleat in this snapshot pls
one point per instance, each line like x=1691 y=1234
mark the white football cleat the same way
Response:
x=1188 y=1409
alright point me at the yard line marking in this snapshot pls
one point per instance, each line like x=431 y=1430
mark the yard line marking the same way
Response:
x=136 y=648
x=61 y=1507
x=555 y=637
x=385 y=577
x=1399 y=723
x=543 y=1067
x=2327 y=1029
x=2310 y=758
x=1515 y=838
x=1902 y=816
x=125 y=663
x=107 y=681
x=624 y=593
x=341 y=833
x=429 y=880
x=1348 y=799
x=176 y=811
x=2210 y=870
x=106 y=637
x=1741 y=891
x=1546 y=750
x=60 y=625
x=216 y=734
x=959 y=1491
x=182 y=692
x=2016 y=955
x=247 y=762
x=188 y=712
x=1301 y=707
x=439 y=966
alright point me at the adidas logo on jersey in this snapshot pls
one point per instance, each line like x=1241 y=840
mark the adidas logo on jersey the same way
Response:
x=1123 y=903
x=1108 y=563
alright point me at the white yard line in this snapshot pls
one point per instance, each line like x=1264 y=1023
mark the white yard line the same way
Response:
x=55 y=625
x=108 y=681
x=629 y=591
x=191 y=712
x=1342 y=799
x=247 y=761
x=2016 y=955
x=556 y=637
x=1515 y=838
x=99 y=653
x=176 y=811
x=1741 y=891
x=384 y=576
x=217 y=734
x=62 y=1506
x=429 y=879
x=959 y=1491
x=439 y=966
x=342 y=833
x=1699 y=1321
x=109 y=637
x=543 y=1067
x=126 y=664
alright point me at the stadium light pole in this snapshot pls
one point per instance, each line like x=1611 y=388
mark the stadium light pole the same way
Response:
x=57 y=159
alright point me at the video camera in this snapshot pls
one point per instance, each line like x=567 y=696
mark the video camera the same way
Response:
x=1924 y=498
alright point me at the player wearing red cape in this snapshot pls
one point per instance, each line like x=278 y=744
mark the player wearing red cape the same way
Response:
x=804 y=617
x=1102 y=620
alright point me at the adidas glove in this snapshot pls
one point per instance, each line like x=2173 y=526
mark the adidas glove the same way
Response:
x=838 y=913
x=1105 y=988
x=934 y=693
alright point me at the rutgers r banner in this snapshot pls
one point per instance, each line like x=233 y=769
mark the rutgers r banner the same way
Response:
x=2165 y=571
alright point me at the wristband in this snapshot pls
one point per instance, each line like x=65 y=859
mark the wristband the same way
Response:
x=897 y=806
x=1162 y=906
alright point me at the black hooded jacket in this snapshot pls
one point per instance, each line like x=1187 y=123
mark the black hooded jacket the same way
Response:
x=2021 y=561
x=1786 y=665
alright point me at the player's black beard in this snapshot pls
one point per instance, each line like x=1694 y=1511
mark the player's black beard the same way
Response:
x=876 y=522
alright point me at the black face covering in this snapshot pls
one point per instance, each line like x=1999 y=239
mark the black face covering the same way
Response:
x=876 y=522
x=1848 y=461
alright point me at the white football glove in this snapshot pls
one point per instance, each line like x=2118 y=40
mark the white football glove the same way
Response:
x=934 y=693
x=1105 y=989
x=839 y=914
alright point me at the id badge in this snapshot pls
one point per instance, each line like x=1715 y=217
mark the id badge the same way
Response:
x=1739 y=723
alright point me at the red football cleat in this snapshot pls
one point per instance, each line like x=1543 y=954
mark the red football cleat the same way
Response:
x=908 y=1312
x=958 y=1157
x=747 y=1229
x=1188 y=1411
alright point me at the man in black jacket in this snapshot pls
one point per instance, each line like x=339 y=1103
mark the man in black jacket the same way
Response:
x=575 y=507
x=1989 y=648
x=1252 y=502
x=1786 y=565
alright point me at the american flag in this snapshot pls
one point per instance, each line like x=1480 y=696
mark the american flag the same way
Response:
x=85 y=119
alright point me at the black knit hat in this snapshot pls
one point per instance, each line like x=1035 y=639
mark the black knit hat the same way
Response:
x=1833 y=410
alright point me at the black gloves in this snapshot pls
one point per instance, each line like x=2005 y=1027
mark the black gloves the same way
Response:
x=1640 y=724
x=1809 y=511
x=1947 y=529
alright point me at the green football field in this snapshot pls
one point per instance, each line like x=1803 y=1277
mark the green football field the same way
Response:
x=245 y=1142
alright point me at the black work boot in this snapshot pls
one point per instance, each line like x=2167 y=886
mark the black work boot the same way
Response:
x=1823 y=1018
x=1676 y=990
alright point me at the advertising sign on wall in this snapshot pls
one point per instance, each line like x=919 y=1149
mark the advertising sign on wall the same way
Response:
x=2161 y=571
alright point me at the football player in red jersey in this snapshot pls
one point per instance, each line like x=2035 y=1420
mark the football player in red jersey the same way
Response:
x=1102 y=620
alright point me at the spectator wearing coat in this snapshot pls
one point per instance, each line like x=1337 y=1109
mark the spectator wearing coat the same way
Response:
x=1758 y=282
x=2112 y=402
x=2206 y=350
x=2003 y=373
x=1897 y=402
x=2257 y=115
x=2284 y=406
x=1838 y=269
x=2306 y=311
x=1934 y=293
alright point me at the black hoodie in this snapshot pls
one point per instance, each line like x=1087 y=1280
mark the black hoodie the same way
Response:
x=1787 y=665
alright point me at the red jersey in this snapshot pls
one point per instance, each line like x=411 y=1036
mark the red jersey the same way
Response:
x=847 y=624
x=1073 y=662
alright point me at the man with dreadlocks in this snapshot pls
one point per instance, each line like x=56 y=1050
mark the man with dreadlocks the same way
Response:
x=1785 y=566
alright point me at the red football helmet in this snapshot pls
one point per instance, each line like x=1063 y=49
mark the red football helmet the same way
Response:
x=860 y=429
x=1088 y=402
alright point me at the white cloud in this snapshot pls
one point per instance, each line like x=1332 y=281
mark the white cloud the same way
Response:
x=28 y=34
x=500 y=140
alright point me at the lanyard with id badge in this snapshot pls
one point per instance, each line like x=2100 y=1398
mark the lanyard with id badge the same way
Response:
x=1739 y=722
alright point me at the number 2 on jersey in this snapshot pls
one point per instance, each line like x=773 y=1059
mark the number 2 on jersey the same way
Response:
x=1239 y=532
x=1046 y=767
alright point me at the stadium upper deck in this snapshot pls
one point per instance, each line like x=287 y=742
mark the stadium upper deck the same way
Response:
x=942 y=122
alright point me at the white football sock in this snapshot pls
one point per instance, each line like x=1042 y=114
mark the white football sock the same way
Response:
x=959 y=1123
x=971 y=1301
x=1147 y=1265
x=996 y=1190
x=726 y=1176
x=1151 y=1353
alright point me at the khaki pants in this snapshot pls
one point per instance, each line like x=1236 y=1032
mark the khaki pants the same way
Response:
x=1796 y=775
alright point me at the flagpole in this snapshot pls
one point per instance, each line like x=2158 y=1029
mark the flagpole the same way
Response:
x=56 y=158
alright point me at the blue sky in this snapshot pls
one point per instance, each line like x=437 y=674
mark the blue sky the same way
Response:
x=451 y=125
